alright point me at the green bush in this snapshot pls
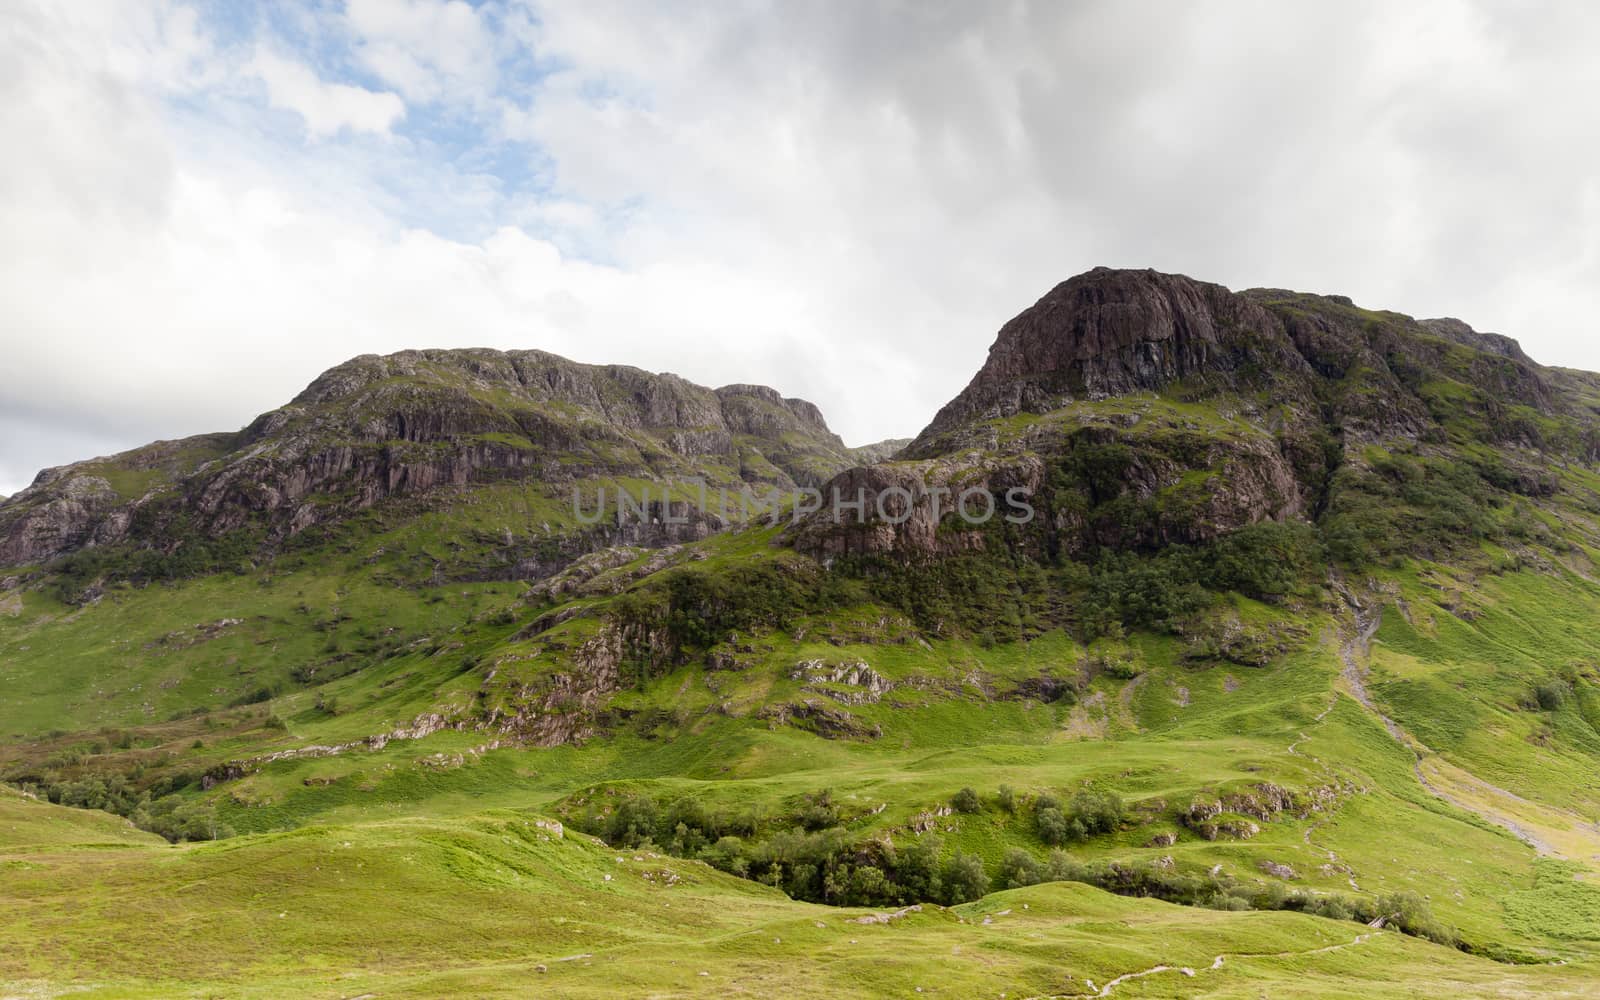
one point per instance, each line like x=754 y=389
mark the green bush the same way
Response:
x=1019 y=868
x=1552 y=694
x=1096 y=812
x=634 y=822
x=1006 y=797
x=964 y=879
x=1266 y=560
x=966 y=801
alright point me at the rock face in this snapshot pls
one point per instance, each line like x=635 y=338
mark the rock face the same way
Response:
x=881 y=451
x=416 y=422
x=73 y=511
x=934 y=490
x=1139 y=409
x=1109 y=333
x=1490 y=343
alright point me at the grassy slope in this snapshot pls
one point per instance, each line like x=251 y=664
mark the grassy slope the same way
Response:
x=496 y=905
x=28 y=825
x=1452 y=663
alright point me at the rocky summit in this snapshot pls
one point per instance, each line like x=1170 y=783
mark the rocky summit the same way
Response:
x=1144 y=409
x=1235 y=643
x=417 y=422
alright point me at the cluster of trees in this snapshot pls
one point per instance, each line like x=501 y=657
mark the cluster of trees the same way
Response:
x=150 y=557
x=1408 y=507
x=1404 y=911
x=1088 y=813
x=809 y=855
x=157 y=809
x=1122 y=590
x=1085 y=815
x=994 y=595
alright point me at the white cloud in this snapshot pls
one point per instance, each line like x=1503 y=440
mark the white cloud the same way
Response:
x=428 y=49
x=842 y=201
x=326 y=107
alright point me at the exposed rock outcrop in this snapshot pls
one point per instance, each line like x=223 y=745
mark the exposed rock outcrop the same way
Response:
x=414 y=422
x=1109 y=333
x=880 y=451
x=1136 y=410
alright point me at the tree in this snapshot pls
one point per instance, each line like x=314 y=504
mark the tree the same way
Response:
x=1052 y=825
x=1019 y=868
x=1096 y=812
x=633 y=822
x=964 y=879
x=966 y=801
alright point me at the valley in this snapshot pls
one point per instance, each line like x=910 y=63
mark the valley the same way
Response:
x=1291 y=688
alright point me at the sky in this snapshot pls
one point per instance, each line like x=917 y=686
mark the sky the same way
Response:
x=205 y=204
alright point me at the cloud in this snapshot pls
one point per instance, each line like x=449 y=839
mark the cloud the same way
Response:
x=845 y=201
x=326 y=107
x=428 y=49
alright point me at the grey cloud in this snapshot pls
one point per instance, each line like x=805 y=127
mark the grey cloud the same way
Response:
x=843 y=200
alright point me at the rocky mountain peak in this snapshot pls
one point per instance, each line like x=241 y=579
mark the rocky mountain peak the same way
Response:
x=1490 y=343
x=753 y=409
x=1146 y=409
x=1109 y=332
x=417 y=421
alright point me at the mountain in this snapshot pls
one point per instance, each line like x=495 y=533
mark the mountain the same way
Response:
x=1177 y=411
x=871 y=454
x=411 y=424
x=1193 y=602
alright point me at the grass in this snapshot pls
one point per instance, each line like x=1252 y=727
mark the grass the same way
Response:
x=365 y=634
x=498 y=904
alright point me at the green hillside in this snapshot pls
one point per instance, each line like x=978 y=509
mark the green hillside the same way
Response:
x=1288 y=688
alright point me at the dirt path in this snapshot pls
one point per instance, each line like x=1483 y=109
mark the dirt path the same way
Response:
x=1217 y=963
x=1355 y=677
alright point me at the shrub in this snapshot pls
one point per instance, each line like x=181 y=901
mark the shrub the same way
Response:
x=1007 y=799
x=1409 y=912
x=916 y=868
x=1051 y=824
x=1551 y=694
x=818 y=811
x=633 y=822
x=1089 y=813
x=1019 y=868
x=869 y=886
x=966 y=801
x=1096 y=812
x=964 y=879
x=727 y=854
x=1060 y=867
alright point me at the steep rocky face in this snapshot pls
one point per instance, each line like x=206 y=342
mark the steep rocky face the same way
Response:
x=1490 y=343
x=790 y=434
x=760 y=411
x=1110 y=333
x=1141 y=409
x=880 y=451
x=900 y=507
x=1383 y=376
x=72 y=511
x=412 y=423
